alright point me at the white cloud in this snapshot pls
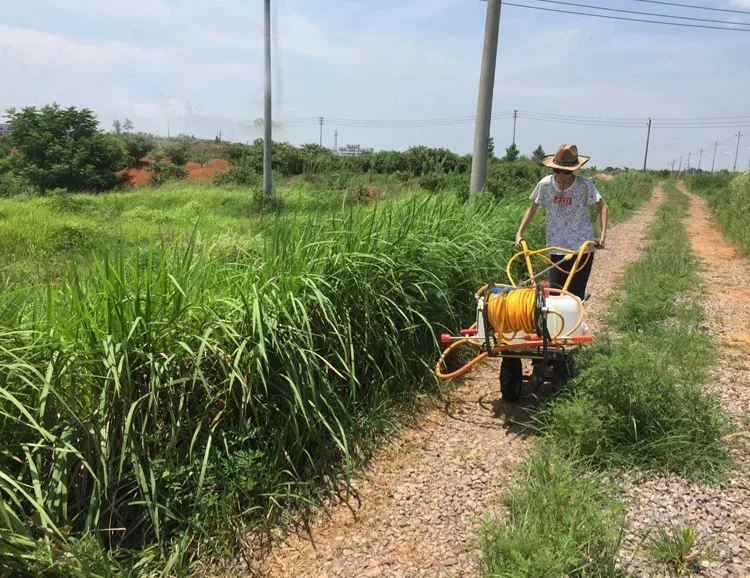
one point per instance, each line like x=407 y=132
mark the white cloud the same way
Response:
x=23 y=45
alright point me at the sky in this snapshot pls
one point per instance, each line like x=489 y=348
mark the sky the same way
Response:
x=196 y=67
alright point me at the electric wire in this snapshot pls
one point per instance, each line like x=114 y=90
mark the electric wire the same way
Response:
x=639 y=13
x=625 y=18
x=694 y=6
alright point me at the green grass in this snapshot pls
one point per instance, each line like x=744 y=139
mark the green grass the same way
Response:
x=675 y=548
x=177 y=369
x=561 y=521
x=728 y=196
x=638 y=401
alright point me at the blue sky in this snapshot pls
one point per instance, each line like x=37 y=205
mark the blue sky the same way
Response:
x=199 y=64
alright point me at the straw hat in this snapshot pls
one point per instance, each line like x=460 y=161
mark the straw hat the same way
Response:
x=566 y=158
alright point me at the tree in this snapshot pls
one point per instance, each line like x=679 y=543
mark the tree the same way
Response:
x=138 y=144
x=511 y=153
x=178 y=153
x=538 y=154
x=127 y=125
x=63 y=148
x=117 y=127
x=491 y=147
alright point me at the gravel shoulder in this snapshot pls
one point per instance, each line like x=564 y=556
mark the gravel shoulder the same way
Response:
x=719 y=512
x=417 y=505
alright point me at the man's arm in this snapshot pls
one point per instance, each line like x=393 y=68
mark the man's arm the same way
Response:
x=603 y=212
x=530 y=212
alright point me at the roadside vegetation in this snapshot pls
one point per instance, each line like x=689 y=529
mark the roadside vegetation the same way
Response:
x=728 y=195
x=638 y=401
x=182 y=363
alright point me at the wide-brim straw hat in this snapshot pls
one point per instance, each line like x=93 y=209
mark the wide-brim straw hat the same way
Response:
x=566 y=158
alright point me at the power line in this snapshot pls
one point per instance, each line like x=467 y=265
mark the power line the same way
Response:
x=639 y=13
x=694 y=7
x=625 y=18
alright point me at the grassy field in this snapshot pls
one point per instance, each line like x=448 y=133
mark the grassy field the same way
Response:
x=178 y=367
x=637 y=402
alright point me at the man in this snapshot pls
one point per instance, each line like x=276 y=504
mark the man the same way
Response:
x=566 y=198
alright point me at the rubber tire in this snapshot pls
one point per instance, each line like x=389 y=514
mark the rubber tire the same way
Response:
x=511 y=375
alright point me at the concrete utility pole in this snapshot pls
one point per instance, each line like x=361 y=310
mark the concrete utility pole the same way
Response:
x=484 y=101
x=679 y=170
x=648 y=138
x=700 y=160
x=267 y=121
x=737 y=152
x=713 y=161
x=335 y=141
x=515 y=117
x=688 y=165
x=321 y=131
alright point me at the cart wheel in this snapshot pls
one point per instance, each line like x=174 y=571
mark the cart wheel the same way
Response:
x=568 y=369
x=536 y=380
x=510 y=379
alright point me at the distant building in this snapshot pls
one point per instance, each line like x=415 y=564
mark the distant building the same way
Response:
x=351 y=150
x=4 y=128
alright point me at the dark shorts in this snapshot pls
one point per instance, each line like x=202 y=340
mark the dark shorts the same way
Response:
x=580 y=280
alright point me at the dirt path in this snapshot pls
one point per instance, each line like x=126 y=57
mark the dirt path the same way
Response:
x=417 y=511
x=719 y=512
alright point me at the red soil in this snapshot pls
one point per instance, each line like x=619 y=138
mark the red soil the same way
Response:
x=137 y=175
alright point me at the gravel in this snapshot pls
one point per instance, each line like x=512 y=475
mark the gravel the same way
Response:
x=719 y=512
x=417 y=506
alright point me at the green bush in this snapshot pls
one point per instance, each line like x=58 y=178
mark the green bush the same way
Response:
x=63 y=148
x=138 y=146
x=178 y=152
x=161 y=172
x=12 y=185
x=504 y=178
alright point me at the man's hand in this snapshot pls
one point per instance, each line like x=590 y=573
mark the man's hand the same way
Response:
x=519 y=238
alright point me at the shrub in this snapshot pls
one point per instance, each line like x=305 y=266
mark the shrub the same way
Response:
x=63 y=148
x=12 y=185
x=506 y=178
x=178 y=153
x=161 y=172
x=138 y=146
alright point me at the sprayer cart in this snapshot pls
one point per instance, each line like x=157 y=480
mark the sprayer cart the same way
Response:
x=528 y=320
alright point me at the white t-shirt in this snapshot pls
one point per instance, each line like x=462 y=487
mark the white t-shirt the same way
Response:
x=568 y=218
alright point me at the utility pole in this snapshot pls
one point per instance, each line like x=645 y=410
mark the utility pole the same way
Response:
x=515 y=116
x=679 y=170
x=700 y=160
x=267 y=122
x=320 y=119
x=687 y=171
x=648 y=138
x=335 y=142
x=484 y=100
x=737 y=152
x=713 y=161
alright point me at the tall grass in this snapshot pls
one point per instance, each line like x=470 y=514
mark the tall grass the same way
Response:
x=728 y=196
x=164 y=399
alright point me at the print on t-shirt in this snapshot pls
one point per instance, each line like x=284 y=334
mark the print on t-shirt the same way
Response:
x=568 y=219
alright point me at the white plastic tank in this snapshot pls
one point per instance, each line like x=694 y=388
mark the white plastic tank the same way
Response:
x=570 y=309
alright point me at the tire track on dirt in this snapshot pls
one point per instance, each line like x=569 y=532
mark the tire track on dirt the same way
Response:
x=425 y=491
x=719 y=512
